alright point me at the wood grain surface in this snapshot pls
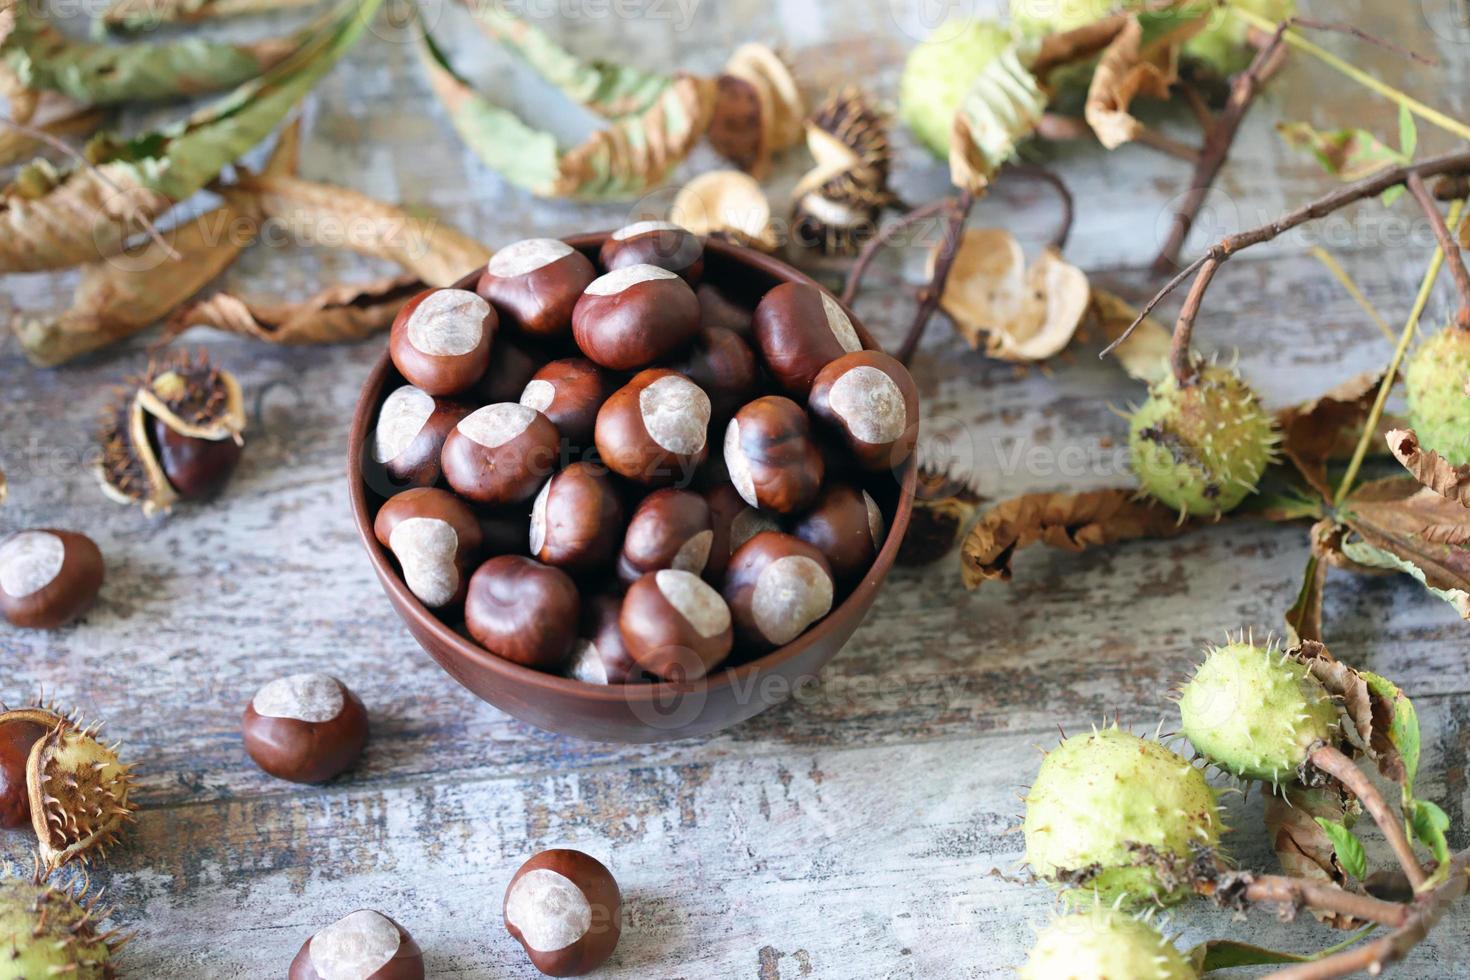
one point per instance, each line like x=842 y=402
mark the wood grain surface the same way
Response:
x=853 y=833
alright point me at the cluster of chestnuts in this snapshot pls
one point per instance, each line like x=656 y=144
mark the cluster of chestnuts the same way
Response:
x=547 y=469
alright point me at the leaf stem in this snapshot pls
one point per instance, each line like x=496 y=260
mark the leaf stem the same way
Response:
x=1447 y=245
x=1331 y=760
x=1370 y=425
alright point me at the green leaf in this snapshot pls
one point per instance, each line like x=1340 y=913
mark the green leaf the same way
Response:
x=1364 y=553
x=1349 y=849
x=1392 y=194
x=1403 y=730
x=1408 y=133
x=1428 y=823
x=1349 y=154
x=1224 y=954
x=1001 y=108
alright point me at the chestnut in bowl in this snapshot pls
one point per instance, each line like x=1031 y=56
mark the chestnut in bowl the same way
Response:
x=871 y=400
x=770 y=455
x=535 y=284
x=500 y=454
x=523 y=611
x=440 y=340
x=724 y=367
x=569 y=393
x=600 y=655
x=655 y=429
x=845 y=525
x=734 y=522
x=660 y=243
x=412 y=427
x=435 y=536
x=800 y=329
x=635 y=316
x=577 y=519
x=675 y=625
x=669 y=529
x=777 y=586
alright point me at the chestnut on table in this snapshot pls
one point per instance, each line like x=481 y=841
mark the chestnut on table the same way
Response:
x=365 y=945
x=48 y=578
x=566 y=911
x=306 y=728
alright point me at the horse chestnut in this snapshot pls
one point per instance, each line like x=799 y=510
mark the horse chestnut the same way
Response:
x=306 y=728
x=659 y=243
x=800 y=329
x=535 y=284
x=568 y=392
x=871 y=399
x=670 y=529
x=20 y=730
x=771 y=457
x=734 y=522
x=412 y=427
x=565 y=910
x=435 y=536
x=635 y=316
x=600 y=655
x=365 y=945
x=846 y=525
x=655 y=429
x=676 y=625
x=523 y=611
x=500 y=454
x=723 y=366
x=48 y=578
x=576 y=519
x=776 y=586
x=440 y=341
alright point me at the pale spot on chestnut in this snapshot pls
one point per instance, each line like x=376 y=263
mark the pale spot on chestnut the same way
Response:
x=693 y=554
x=304 y=697
x=627 y=277
x=840 y=325
x=538 y=518
x=738 y=465
x=426 y=548
x=548 y=909
x=495 y=425
x=587 y=665
x=747 y=524
x=403 y=417
x=876 y=524
x=695 y=600
x=526 y=256
x=791 y=593
x=871 y=405
x=355 y=946
x=449 y=322
x=539 y=394
x=642 y=228
x=675 y=412
x=30 y=561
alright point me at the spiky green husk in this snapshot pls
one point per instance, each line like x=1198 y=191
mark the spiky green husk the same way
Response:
x=1255 y=712
x=1438 y=386
x=45 y=932
x=1099 y=793
x=1201 y=449
x=940 y=71
x=1104 y=944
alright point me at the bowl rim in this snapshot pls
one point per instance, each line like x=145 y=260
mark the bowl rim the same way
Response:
x=862 y=594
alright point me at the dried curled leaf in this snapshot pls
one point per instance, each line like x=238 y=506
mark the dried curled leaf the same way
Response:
x=1142 y=60
x=53 y=219
x=630 y=157
x=1326 y=428
x=725 y=203
x=1002 y=107
x=1349 y=690
x=1072 y=522
x=323 y=214
x=1302 y=846
x=146 y=15
x=1402 y=525
x=1145 y=354
x=336 y=315
x=1018 y=313
x=1429 y=467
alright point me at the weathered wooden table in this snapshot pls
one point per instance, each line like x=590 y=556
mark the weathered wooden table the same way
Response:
x=850 y=835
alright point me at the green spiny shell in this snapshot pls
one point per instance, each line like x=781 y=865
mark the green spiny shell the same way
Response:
x=1438 y=385
x=44 y=932
x=1201 y=449
x=1098 y=793
x=1255 y=712
x=1104 y=944
x=939 y=73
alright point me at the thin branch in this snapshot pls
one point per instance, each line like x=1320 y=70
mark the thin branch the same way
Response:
x=931 y=294
x=61 y=146
x=1203 y=114
x=1362 y=35
x=1300 y=893
x=1064 y=194
x=1180 y=359
x=883 y=237
x=1332 y=761
x=1452 y=162
x=1217 y=147
x=1447 y=245
x=1372 y=957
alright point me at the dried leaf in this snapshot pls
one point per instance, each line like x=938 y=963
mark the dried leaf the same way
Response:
x=1142 y=60
x=1304 y=849
x=335 y=315
x=1350 y=154
x=1304 y=618
x=52 y=114
x=147 y=15
x=137 y=288
x=1145 y=354
x=1396 y=735
x=1348 y=688
x=54 y=219
x=339 y=218
x=1326 y=428
x=1408 y=527
x=1020 y=314
x=632 y=156
x=1072 y=522
x=1001 y=108
x=1431 y=469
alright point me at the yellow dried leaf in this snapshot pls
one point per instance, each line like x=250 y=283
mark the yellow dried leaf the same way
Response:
x=1429 y=467
x=335 y=315
x=1132 y=65
x=1145 y=354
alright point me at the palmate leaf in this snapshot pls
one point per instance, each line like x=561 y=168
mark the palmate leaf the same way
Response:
x=53 y=219
x=1352 y=154
x=1002 y=108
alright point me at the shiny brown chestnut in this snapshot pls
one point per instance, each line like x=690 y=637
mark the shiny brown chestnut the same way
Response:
x=535 y=284
x=871 y=400
x=440 y=341
x=734 y=522
x=722 y=365
x=305 y=728
x=364 y=945
x=565 y=910
x=577 y=519
x=197 y=469
x=847 y=527
x=512 y=366
x=676 y=626
x=569 y=392
x=771 y=457
x=655 y=429
x=412 y=427
x=717 y=309
x=48 y=578
x=523 y=611
x=500 y=454
x=776 y=586
x=600 y=655
x=19 y=731
x=635 y=316
x=436 y=538
x=670 y=529
x=799 y=330
x=659 y=243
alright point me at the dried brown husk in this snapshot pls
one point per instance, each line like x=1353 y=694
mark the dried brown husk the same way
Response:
x=1429 y=467
x=1145 y=354
x=837 y=203
x=726 y=203
x=335 y=315
x=79 y=794
x=943 y=508
x=1303 y=847
x=1141 y=60
x=758 y=109
x=1071 y=522
x=322 y=214
x=1015 y=313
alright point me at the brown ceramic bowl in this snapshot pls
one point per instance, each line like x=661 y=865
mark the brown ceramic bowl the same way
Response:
x=633 y=712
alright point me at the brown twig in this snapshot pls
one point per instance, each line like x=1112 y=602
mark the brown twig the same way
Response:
x=1203 y=114
x=1331 y=760
x=1362 y=35
x=1180 y=359
x=1217 y=147
x=1453 y=162
x=1064 y=194
x=883 y=237
x=61 y=146
x=1169 y=146
x=930 y=295
x=1298 y=893
x=1425 y=911
x=1448 y=245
